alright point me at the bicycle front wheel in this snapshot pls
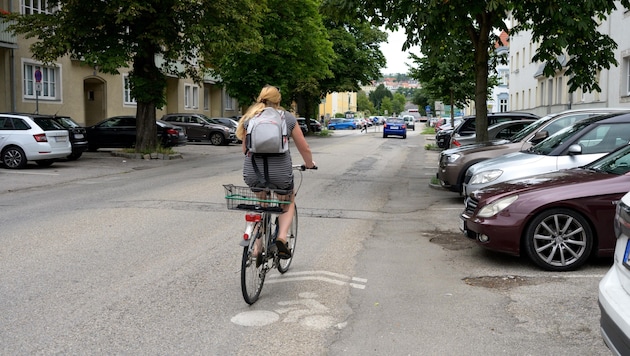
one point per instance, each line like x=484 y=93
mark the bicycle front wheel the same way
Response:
x=283 y=265
x=252 y=276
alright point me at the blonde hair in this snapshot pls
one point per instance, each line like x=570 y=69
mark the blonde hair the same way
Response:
x=269 y=96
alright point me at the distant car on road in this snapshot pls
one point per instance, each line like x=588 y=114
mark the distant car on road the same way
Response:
x=394 y=126
x=410 y=122
x=78 y=136
x=342 y=124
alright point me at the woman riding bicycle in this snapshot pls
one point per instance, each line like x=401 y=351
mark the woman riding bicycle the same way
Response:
x=280 y=172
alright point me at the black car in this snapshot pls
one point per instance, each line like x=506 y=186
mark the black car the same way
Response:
x=468 y=126
x=120 y=132
x=202 y=128
x=316 y=126
x=78 y=136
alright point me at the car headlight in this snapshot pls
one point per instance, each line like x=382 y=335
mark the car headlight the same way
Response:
x=496 y=207
x=486 y=176
x=453 y=157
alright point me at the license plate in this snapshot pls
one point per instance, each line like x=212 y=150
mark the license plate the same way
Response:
x=394 y=127
x=61 y=138
x=78 y=136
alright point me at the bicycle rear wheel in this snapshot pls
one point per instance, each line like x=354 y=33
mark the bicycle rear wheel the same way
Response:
x=252 y=276
x=283 y=265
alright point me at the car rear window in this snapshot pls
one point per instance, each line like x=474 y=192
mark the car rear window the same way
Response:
x=47 y=124
x=395 y=121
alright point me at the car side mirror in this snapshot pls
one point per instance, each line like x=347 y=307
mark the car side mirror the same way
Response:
x=575 y=149
x=539 y=136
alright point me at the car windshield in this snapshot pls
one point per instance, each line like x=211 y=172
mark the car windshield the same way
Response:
x=47 y=124
x=395 y=121
x=618 y=162
x=519 y=136
x=550 y=143
x=67 y=122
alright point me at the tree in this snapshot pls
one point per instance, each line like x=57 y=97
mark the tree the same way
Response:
x=387 y=107
x=398 y=103
x=422 y=100
x=379 y=94
x=119 y=34
x=558 y=26
x=364 y=104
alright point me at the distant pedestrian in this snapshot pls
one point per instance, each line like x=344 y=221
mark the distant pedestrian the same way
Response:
x=364 y=127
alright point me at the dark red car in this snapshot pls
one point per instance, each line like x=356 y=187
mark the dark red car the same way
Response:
x=558 y=219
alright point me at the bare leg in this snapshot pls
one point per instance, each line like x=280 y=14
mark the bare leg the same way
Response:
x=284 y=220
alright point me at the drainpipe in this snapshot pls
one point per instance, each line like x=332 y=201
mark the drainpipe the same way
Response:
x=12 y=79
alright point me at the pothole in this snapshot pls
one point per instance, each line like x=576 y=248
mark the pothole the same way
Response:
x=501 y=282
x=450 y=241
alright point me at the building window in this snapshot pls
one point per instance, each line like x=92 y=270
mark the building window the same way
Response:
x=191 y=96
x=206 y=98
x=127 y=98
x=627 y=65
x=503 y=105
x=48 y=84
x=559 y=89
x=30 y=7
x=229 y=103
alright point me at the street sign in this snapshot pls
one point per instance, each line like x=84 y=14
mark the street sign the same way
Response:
x=38 y=75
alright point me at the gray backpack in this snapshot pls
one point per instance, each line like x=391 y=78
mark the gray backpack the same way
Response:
x=267 y=133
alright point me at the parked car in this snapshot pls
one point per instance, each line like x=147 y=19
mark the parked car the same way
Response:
x=468 y=125
x=410 y=121
x=342 y=124
x=120 y=132
x=558 y=219
x=78 y=137
x=199 y=127
x=614 y=288
x=316 y=126
x=574 y=146
x=394 y=127
x=454 y=162
x=31 y=137
x=500 y=131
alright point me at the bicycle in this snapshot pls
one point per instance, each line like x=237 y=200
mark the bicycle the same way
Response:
x=264 y=205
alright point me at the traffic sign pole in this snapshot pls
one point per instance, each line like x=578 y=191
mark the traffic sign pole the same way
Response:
x=38 y=87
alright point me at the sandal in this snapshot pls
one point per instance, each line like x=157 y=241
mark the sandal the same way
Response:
x=283 y=250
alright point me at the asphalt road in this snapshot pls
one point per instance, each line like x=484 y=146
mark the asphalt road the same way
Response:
x=108 y=255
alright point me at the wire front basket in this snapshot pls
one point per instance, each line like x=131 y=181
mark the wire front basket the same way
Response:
x=255 y=199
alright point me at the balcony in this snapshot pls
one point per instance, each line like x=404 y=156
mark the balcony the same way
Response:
x=7 y=39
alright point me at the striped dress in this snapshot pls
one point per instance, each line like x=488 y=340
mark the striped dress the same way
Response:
x=280 y=170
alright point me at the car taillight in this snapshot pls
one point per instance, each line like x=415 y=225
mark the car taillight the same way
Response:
x=404 y=126
x=41 y=138
x=171 y=132
x=456 y=143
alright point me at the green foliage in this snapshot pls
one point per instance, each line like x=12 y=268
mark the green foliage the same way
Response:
x=363 y=103
x=398 y=103
x=387 y=106
x=377 y=96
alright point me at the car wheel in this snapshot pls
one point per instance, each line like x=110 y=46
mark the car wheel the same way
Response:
x=13 y=157
x=217 y=139
x=384 y=136
x=332 y=128
x=45 y=162
x=74 y=156
x=559 y=240
x=404 y=137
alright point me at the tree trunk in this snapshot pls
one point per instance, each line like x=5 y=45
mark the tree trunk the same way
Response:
x=481 y=40
x=145 y=71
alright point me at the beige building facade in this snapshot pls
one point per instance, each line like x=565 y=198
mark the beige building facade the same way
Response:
x=70 y=87
x=335 y=103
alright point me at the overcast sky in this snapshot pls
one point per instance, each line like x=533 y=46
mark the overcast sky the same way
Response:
x=396 y=58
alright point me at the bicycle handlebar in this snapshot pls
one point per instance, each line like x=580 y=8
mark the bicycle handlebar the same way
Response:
x=302 y=167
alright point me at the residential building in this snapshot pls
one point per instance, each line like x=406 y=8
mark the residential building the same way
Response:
x=531 y=91
x=70 y=87
x=335 y=103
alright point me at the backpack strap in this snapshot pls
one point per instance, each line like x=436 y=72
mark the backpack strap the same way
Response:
x=263 y=179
